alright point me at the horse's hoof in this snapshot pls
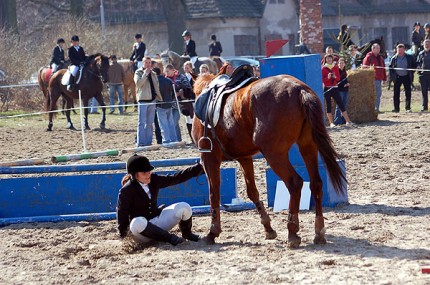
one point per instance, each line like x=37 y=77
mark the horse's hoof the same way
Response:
x=102 y=126
x=209 y=239
x=294 y=241
x=49 y=129
x=271 y=235
x=319 y=239
x=72 y=128
x=87 y=128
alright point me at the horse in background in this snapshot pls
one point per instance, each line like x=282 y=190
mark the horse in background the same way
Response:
x=171 y=57
x=95 y=71
x=268 y=116
x=367 y=47
x=44 y=74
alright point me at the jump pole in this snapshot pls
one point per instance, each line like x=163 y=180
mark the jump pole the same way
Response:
x=87 y=155
x=82 y=122
x=142 y=148
x=32 y=161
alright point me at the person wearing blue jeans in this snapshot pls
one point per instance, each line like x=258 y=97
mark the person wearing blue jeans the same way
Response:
x=164 y=110
x=343 y=86
x=148 y=92
x=116 y=81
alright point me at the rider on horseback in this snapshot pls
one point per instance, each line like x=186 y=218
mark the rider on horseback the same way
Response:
x=190 y=46
x=77 y=57
x=57 y=58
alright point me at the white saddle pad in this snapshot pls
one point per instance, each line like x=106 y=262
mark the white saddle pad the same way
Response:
x=66 y=78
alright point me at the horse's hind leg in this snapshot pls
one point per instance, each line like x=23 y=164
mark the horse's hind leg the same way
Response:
x=69 y=105
x=280 y=163
x=248 y=172
x=309 y=152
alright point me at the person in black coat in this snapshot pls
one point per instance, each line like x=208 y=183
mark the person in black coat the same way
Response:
x=138 y=210
x=139 y=49
x=77 y=57
x=190 y=46
x=215 y=48
x=57 y=58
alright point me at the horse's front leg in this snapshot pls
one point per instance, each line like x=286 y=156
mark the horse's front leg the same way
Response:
x=247 y=166
x=86 y=112
x=212 y=168
x=101 y=102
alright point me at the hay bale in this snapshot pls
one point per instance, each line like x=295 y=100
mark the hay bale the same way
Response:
x=362 y=96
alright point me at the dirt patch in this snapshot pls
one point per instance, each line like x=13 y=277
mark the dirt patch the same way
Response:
x=381 y=237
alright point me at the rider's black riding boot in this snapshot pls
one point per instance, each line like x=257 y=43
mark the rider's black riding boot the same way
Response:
x=71 y=85
x=185 y=228
x=189 y=128
x=156 y=233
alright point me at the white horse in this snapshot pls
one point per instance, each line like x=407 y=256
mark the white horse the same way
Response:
x=171 y=57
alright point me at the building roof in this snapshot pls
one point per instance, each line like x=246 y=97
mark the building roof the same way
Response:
x=138 y=11
x=369 y=7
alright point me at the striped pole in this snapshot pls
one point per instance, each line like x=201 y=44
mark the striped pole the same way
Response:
x=174 y=144
x=24 y=162
x=142 y=148
x=68 y=157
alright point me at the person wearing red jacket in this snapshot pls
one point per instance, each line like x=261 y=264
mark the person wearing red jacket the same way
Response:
x=330 y=78
x=375 y=60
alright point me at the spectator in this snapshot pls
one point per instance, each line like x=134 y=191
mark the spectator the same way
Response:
x=330 y=77
x=375 y=60
x=427 y=31
x=183 y=91
x=164 y=110
x=302 y=48
x=137 y=206
x=344 y=38
x=354 y=54
x=204 y=69
x=139 y=49
x=215 y=48
x=330 y=51
x=423 y=62
x=116 y=81
x=343 y=86
x=148 y=91
x=188 y=69
x=401 y=76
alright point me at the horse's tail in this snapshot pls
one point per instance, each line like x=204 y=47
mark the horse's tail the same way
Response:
x=48 y=97
x=314 y=116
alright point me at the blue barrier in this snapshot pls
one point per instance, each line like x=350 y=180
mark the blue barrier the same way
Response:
x=93 y=196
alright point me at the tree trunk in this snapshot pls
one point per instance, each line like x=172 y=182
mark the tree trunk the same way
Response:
x=8 y=15
x=77 y=8
x=174 y=12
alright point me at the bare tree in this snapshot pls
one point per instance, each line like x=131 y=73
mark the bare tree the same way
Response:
x=174 y=11
x=8 y=15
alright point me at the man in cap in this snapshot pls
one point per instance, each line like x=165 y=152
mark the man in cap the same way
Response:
x=57 y=58
x=77 y=57
x=137 y=206
x=139 y=49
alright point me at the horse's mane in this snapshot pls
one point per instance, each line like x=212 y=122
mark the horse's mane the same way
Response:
x=91 y=58
x=202 y=82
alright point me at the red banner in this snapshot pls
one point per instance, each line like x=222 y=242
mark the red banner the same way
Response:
x=274 y=46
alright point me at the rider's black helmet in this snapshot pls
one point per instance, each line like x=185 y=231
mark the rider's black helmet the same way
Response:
x=186 y=33
x=60 y=40
x=75 y=38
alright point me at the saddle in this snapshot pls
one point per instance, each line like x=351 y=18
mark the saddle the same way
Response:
x=65 y=80
x=208 y=104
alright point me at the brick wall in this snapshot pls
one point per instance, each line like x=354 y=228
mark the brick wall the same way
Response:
x=311 y=25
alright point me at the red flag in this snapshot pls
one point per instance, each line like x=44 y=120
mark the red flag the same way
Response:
x=274 y=46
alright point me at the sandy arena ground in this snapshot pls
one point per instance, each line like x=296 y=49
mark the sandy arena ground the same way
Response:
x=381 y=237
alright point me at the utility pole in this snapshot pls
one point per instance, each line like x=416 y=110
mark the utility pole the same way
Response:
x=102 y=16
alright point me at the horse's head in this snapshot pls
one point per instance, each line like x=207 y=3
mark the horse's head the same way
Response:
x=165 y=58
x=99 y=66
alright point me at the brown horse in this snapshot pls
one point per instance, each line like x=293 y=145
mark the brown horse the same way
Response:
x=171 y=57
x=94 y=72
x=269 y=116
x=129 y=86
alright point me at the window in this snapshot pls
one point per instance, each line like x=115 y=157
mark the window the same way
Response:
x=276 y=1
x=400 y=35
x=330 y=38
x=245 y=45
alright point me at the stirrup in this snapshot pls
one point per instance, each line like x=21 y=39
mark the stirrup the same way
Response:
x=204 y=149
